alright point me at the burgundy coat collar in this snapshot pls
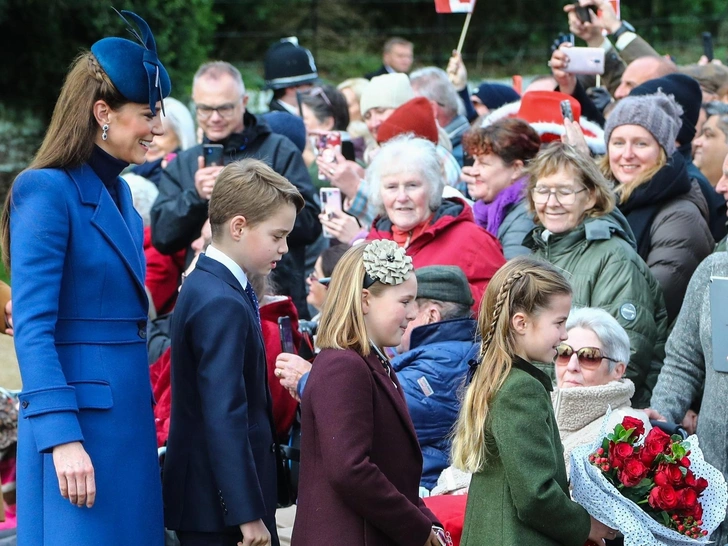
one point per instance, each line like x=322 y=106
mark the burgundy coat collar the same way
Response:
x=395 y=393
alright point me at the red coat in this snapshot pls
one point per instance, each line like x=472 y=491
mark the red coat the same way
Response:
x=452 y=238
x=284 y=406
x=360 y=458
x=163 y=274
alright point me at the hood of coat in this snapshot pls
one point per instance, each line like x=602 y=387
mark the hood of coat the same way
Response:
x=601 y=228
x=695 y=195
x=577 y=407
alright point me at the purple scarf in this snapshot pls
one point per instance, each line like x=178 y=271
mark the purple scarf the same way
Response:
x=490 y=215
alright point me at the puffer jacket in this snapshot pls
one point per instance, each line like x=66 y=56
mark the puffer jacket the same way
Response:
x=515 y=226
x=452 y=238
x=679 y=240
x=605 y=271
x=431 y=373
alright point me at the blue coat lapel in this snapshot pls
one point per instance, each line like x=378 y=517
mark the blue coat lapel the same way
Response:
x=120 y=226
x=223 y=273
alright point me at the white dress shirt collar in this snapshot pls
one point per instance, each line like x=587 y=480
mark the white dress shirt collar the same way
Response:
x=219 y=256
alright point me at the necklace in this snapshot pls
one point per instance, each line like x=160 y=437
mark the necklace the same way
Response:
x=384 y=362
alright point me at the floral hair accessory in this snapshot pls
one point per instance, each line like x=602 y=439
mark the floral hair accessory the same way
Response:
x=385 y=262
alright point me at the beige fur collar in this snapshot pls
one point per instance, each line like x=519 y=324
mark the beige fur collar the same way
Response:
x=576 y=407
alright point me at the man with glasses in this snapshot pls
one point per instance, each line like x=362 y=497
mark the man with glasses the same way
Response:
x=186 y=184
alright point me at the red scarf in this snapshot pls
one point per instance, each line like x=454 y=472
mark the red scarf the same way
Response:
x=405 y=238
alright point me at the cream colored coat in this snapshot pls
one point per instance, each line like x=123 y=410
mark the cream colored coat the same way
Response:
x=580 y=411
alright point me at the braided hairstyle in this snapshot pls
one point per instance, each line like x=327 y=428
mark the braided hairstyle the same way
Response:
x=70 y=137
x=522 y=285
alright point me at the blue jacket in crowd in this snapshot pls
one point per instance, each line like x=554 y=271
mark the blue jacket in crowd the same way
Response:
x=431 y=373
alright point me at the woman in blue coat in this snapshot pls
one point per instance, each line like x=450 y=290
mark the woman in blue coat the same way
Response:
x=87 y=469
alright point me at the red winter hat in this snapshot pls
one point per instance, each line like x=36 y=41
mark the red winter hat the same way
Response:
x=414 y=116
x=542 y=111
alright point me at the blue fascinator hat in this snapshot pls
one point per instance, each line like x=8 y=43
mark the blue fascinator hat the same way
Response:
x=134 y=68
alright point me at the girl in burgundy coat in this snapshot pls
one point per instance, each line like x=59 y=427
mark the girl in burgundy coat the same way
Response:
x=360 y=459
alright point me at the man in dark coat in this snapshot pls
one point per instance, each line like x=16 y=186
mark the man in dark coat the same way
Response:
x=396 y=57
x=186 y=184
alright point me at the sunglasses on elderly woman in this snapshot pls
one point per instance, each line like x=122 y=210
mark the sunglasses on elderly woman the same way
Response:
x=589 y=357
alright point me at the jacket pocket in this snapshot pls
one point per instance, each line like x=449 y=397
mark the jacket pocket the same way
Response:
x=93 y=394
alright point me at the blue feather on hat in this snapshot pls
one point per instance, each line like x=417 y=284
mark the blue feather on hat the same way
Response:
x=134 y=68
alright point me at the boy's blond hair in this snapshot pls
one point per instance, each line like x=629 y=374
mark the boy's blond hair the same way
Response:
x=249 y=188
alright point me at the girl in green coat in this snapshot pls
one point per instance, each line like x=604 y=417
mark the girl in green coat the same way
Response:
x=506 y=433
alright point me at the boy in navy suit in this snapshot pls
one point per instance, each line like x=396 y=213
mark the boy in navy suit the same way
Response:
x=220 y=467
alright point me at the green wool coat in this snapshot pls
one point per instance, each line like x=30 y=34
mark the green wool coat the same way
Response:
x=600 y=261
x=521 y=496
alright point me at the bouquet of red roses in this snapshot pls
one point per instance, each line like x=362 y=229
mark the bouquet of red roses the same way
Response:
x=654 y=488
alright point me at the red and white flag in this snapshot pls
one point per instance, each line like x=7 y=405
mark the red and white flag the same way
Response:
x=454 y=6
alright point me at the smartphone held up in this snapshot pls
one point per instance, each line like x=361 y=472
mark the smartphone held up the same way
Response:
x=213 y=154
x=331 y=205
x=585 y=60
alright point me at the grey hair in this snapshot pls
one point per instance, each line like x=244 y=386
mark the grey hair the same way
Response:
x=215 y=69
x=143 y=193
x=433 y=84
x=177 y=118
x=614 y=338
x=406 y=154
x=719 y=109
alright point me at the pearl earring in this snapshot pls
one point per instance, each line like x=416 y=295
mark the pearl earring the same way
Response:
x=105 y=134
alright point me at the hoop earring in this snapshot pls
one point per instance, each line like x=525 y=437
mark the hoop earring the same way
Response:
x=105 y=134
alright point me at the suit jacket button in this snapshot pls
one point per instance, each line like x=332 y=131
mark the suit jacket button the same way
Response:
x=273 y=448
x=25 y=404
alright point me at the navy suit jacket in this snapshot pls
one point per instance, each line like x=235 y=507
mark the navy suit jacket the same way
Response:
x=220 y=467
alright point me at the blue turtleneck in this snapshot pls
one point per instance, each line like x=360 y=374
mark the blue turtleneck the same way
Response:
x=108 y=169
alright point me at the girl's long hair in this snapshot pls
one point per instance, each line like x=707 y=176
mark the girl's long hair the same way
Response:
x=522 y=285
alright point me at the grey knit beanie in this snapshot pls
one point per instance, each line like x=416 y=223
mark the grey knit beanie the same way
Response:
x=658 y=113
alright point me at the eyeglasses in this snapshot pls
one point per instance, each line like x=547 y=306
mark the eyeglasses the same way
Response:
x=315 y=278
x=225 y=110
x=565 y=196
x=589 y=357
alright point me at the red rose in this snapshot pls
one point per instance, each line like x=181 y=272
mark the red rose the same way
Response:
x=647 y=456
x=657 y=441
x=701 y=485
x=633 y=471
x=690 y=479
x=685 y=462
x=696 y=511
x=688 y=498
x=618 y=453
x=663 y=497
x=668 y=474
x=637 y=424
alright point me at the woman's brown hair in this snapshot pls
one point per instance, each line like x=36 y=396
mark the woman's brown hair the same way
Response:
x=70 y=137
x=510 y=139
